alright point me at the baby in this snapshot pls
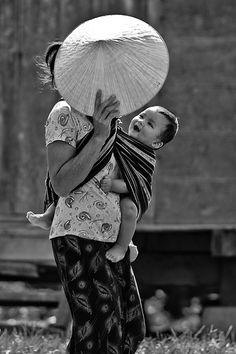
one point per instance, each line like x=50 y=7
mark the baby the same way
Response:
x=154 y=127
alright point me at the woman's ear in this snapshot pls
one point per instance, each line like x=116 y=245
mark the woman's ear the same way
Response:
x=157 y=144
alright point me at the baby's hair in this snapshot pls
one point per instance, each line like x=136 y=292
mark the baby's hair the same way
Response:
x=46 y=64
x=172 y=125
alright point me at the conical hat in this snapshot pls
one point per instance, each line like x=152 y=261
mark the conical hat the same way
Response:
x=118 y=54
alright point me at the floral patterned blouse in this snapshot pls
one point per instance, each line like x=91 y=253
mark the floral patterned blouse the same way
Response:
x=87 y=212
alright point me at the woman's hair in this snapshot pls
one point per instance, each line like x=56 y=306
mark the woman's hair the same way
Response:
x=172 y=125
x=46 y=64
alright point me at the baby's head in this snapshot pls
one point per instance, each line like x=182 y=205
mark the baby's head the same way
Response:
x=155 y=127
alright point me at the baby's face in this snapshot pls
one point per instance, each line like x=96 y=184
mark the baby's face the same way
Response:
x=148 y=126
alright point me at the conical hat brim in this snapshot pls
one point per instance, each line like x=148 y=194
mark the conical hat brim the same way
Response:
x=118 y=54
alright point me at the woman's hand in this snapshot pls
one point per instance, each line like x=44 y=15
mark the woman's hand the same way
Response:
x=104 y=112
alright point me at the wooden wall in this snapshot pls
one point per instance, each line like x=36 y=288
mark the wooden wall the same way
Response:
x=195 y=181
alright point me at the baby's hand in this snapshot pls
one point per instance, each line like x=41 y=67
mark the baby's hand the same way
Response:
x=106 y=183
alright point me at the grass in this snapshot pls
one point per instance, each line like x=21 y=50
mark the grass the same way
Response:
x=20 y=342
x=211 y=342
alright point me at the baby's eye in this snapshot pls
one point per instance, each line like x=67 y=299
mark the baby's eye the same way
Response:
x=151 y=125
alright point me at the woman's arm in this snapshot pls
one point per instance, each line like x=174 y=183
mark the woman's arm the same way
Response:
x=68 y=169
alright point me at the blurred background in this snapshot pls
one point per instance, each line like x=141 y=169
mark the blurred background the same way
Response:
x=187 y=239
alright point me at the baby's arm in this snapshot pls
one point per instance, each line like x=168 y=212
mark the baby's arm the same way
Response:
x=113 y=185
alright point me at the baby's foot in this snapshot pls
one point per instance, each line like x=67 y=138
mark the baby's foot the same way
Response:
x=116 y=253
x=40 y=220
x=133 y=252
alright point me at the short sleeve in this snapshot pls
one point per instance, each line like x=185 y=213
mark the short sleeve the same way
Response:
x=60 y=125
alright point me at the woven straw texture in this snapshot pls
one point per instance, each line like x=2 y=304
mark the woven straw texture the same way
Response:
x=118 y=54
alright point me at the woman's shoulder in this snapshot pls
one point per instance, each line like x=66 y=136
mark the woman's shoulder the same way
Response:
x=60 y=115
x=64 y=109
x=60 y=125
x=63 y=120
x=60 y=107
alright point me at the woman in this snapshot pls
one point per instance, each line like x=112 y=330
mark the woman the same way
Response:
x=103 y=297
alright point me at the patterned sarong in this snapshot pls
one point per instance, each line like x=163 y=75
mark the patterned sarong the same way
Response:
x=136 y=162
x=103 y=298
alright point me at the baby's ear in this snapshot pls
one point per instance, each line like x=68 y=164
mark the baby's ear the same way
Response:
x=157 y=144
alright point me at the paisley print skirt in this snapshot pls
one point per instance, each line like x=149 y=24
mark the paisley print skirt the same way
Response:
x=103 y=298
